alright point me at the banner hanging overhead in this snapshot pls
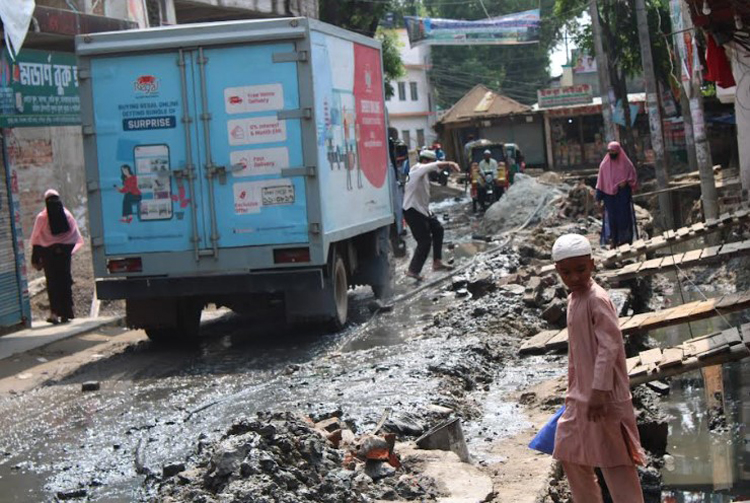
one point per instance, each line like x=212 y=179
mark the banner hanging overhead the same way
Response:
x=513 y=29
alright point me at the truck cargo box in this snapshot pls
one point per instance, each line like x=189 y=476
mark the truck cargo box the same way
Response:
x=239 y=150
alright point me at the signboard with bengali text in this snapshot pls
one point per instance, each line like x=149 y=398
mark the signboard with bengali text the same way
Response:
x=39 y=88
x=565 y=96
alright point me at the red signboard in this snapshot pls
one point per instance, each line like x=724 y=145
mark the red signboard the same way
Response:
x=370 y=117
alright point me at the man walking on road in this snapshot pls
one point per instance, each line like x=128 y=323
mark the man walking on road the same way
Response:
x=424 y=226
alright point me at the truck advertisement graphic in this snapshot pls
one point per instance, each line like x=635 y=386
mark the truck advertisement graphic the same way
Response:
x=350 y=118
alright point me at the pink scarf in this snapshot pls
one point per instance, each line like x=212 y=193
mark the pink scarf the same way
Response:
x=42 y=235
x=612 y=172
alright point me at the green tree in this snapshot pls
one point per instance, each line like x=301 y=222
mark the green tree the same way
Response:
x=621 y=42
x=516 y=71
x=393 y=67
x=364 y=17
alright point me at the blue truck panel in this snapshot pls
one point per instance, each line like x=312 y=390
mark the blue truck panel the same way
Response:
x=137 y=105
x=256 y=205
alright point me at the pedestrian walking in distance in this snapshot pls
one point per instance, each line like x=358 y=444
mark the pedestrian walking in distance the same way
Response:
x=598 y=426
x=614 y=187
x=55 y=238
x=424 y=225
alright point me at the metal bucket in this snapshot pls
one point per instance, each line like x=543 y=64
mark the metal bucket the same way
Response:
x=446 y=436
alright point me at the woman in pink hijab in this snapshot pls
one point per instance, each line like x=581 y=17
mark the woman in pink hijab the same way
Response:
x=614 y=187
x=55 y=239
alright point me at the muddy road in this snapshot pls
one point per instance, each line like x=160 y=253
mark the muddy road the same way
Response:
x=157 y=404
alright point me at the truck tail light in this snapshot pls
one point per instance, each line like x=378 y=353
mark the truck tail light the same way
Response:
x=132 y=264
x=291 y=255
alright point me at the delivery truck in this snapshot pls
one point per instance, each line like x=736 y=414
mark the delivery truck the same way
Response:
x=243 y=164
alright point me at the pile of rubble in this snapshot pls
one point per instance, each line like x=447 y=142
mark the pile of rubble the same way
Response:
x=581 y=202
x=526 y=202
x=285 y=458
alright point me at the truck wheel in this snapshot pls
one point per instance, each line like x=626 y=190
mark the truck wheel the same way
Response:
x=383 y=287
x=339 y=290
x=187 y=328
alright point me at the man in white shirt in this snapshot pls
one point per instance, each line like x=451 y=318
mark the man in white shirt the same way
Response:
x=424 y=226
x=488 y=165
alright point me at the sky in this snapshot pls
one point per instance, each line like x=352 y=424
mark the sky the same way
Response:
x=558 y=58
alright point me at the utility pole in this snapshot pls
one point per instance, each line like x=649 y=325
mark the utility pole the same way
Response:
x=691 y=81
x=654 y=114
x=602 y=68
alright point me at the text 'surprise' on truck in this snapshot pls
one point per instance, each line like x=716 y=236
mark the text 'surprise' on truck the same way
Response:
x=243 y=164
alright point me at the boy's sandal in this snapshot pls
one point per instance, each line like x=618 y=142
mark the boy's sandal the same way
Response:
x=53 y=320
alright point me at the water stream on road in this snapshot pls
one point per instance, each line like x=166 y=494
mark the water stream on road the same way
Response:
x=705 y=466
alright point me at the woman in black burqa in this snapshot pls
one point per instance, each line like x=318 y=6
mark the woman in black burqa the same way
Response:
x=55 y=239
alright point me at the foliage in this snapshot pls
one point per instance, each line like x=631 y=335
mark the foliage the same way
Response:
x=393 y=67
x=355 y=15
x=516 y=71
x=620 y=32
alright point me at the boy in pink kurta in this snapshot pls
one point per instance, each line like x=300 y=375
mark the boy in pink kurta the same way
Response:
x=598 y=426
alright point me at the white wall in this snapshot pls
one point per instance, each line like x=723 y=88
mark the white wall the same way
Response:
x=410 y=114
x=412 y=124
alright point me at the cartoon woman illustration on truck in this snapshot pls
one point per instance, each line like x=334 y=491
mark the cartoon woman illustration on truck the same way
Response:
x=131 y=193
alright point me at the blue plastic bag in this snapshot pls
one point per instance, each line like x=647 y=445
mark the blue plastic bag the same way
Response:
x=544 y=441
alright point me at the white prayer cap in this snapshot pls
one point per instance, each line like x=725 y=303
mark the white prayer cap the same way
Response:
x=569 y=246
x=428 y=154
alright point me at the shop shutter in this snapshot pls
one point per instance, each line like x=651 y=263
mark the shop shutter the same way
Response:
x=11 y=312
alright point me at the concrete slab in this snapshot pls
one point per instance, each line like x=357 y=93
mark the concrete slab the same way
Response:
x=463 y=482
x=43 y=333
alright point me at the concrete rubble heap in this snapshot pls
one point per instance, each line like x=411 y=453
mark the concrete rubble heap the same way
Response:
x=286 y=458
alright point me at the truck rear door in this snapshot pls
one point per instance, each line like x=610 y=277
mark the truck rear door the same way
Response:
x=251 y=131
x=191 y=145
x=147 y=137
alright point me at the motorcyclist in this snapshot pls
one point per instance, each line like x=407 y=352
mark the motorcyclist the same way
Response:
x=488 y=165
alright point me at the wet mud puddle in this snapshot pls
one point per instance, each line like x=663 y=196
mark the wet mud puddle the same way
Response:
x=708 y=456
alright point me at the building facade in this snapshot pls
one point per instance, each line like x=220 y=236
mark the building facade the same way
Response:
x=411 y=110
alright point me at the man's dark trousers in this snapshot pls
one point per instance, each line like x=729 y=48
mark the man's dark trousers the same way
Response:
x=426 y=231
